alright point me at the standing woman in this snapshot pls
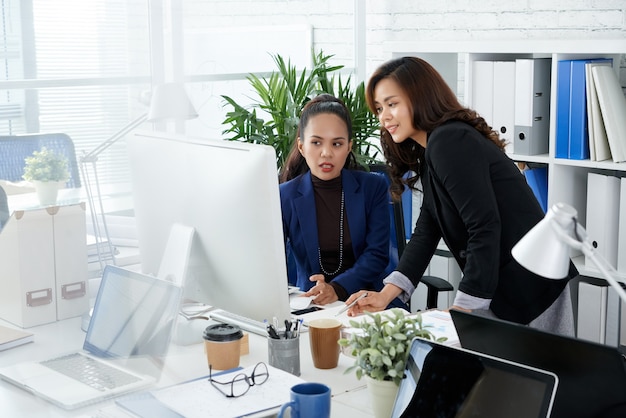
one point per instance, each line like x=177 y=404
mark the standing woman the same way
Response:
x=475 y=198
x=335 y=218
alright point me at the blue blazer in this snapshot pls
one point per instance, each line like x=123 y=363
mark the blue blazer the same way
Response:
x=367 y=210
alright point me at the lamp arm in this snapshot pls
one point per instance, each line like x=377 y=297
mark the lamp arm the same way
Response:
x=608 y=271
x=605 y=268
x=567 y=238
x=92 y=155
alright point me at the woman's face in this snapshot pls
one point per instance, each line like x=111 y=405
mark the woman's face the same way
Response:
x=325 y=145
x=394 y=112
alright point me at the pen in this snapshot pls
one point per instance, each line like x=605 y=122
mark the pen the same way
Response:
x=345 y=308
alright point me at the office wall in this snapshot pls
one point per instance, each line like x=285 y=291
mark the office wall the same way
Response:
x=400 y=20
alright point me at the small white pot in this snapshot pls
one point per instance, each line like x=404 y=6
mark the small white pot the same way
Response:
x=47 y=191
x=383 y=394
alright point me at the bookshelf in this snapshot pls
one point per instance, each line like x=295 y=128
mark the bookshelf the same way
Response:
x=567 y=179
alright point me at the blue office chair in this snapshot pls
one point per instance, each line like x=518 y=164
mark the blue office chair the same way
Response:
x=15 y=148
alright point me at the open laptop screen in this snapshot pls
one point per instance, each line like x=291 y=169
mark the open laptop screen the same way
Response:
x=133 y=315
x=592 y=376
x=449 y=382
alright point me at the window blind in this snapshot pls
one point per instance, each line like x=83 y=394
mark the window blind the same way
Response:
x=79 y=67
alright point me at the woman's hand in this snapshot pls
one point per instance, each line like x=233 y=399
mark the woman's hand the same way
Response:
x=322 y=291
x=373 y=302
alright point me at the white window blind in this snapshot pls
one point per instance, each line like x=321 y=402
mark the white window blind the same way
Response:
x=77 y=67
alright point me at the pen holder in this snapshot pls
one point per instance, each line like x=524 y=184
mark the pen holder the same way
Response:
x=284 y=353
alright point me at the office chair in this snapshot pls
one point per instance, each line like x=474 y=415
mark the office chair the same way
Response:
x=15 y=148
x=434 y=284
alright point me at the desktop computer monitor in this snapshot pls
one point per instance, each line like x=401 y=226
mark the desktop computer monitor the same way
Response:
x=228 y=192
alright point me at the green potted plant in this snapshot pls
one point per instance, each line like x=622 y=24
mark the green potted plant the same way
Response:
x=272 y=118
x=380 y=344
x=48 y=172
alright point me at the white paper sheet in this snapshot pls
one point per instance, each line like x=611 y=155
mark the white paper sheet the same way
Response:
x=200 y=399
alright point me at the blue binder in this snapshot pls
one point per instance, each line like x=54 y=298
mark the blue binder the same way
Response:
x=572 y=135
x=562 y=108
x=537 y=179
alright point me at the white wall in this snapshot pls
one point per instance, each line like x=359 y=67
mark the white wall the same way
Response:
x=333 y=30
x=400 y=20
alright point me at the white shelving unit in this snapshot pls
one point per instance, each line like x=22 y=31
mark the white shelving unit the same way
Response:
x=567 y=179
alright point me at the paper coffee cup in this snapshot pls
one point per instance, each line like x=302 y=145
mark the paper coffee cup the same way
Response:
x=324 y=337
x=222 y=345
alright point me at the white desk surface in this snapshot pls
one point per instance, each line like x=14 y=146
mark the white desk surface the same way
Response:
x=183 y=363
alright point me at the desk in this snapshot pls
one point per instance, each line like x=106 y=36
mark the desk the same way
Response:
x=350 y=396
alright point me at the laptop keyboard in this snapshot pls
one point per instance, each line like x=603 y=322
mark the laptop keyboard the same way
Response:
x=93 y=373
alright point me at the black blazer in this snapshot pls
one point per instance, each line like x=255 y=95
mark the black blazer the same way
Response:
x=478 y=201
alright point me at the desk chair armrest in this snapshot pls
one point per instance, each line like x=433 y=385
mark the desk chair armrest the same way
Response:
x=434 y=286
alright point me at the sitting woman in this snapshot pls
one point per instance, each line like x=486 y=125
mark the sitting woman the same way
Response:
x=335 y=217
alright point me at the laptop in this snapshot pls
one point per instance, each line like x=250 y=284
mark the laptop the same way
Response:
x=130 y=329
x=450 y=382
x=592 y=377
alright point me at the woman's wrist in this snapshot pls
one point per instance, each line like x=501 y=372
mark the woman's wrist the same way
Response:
x=389 y=292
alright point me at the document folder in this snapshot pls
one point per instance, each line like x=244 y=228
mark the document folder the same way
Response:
x=572 y=136
x=504 y=102
x=613 y=107
x=621 y=244
x=482 y=89
x=532 y=106
x=493 y=96
x=599 y=149
x=537 y=179
x=603 y=216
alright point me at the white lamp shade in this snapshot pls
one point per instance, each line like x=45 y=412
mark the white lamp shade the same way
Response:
x=170 y=101
x=542 y=250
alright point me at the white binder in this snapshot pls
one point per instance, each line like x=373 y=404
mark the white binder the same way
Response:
x=532 y=106
x=613 y=108
x=592 y=309
x=482 y=89
x=603 y=216
x=504 y=102
x=493 y=96
x=598 y=142
x=621 y=241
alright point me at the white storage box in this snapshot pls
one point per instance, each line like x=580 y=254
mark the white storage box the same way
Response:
x=43 y=265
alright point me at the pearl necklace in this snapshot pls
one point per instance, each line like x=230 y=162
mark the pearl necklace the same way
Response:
x=319 y=252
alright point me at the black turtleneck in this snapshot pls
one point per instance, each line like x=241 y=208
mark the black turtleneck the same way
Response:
x=327 y=206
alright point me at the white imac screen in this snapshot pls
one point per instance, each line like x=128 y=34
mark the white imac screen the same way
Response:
x=228 y=192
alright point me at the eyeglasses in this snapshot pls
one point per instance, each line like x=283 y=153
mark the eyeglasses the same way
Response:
x=241 y=383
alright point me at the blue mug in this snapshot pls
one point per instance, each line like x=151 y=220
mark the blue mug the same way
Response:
x=308 y=400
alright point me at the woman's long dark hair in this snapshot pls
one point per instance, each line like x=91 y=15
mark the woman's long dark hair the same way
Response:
x=433 y=103
x=295 y=164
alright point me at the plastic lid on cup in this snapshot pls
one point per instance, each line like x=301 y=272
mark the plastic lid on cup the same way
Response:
x=222 y=333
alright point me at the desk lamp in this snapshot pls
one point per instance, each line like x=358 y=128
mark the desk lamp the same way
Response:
x=545 y=249
x=168 y=101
